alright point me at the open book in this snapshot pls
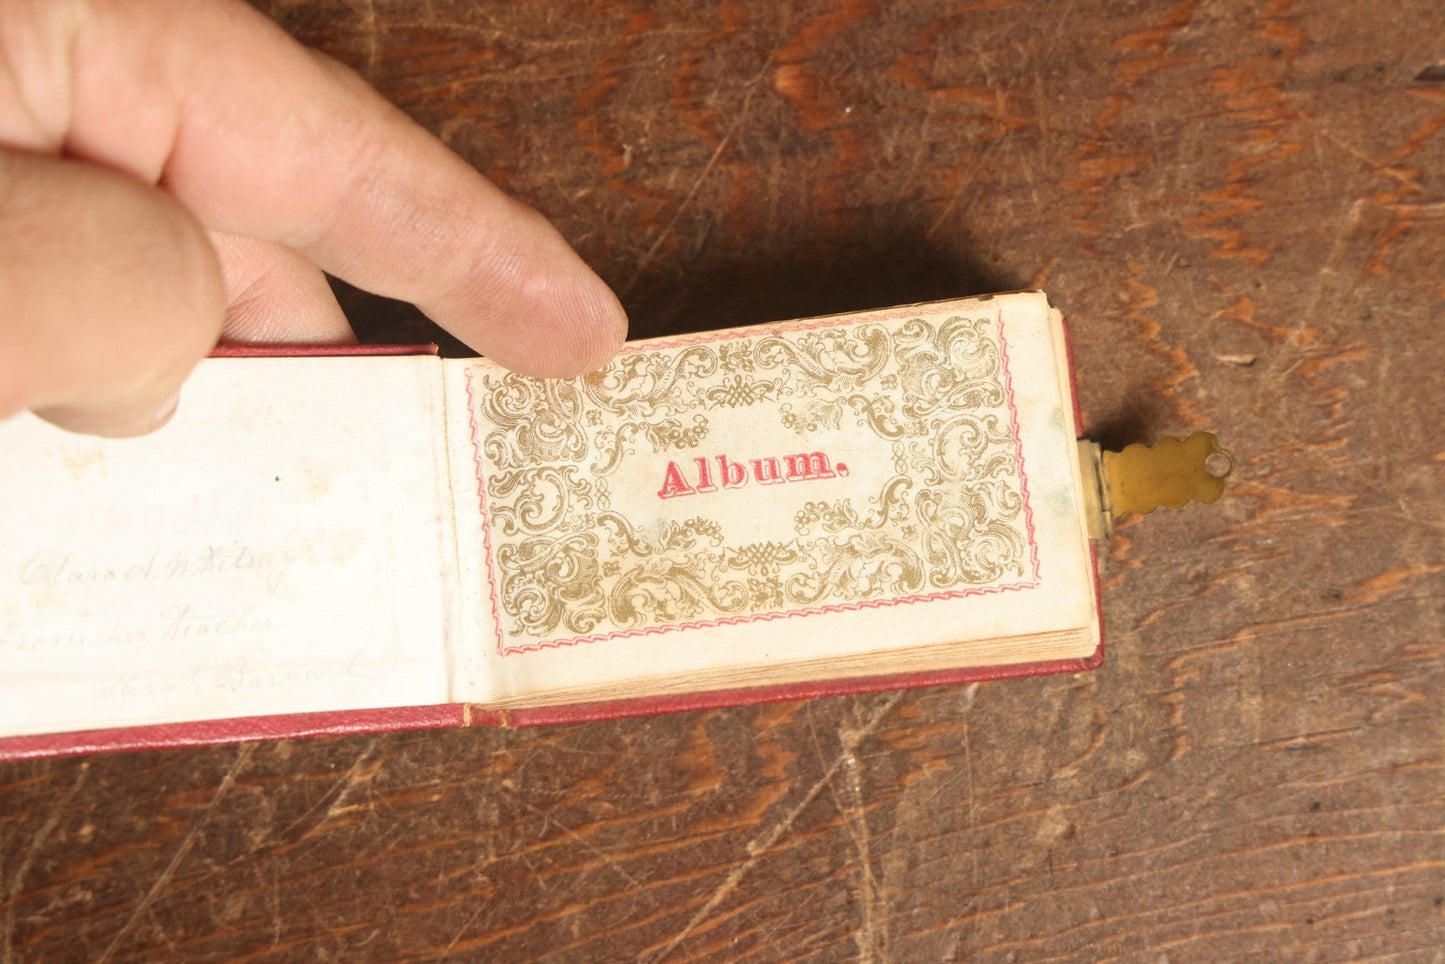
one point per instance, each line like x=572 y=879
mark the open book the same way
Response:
x=332 y=543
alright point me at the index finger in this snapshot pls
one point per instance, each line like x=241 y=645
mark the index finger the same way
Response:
x=260 y=137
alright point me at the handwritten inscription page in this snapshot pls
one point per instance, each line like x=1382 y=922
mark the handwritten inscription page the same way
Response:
x=861 y=494
x=276 y=548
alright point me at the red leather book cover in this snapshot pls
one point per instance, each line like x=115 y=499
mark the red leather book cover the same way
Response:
x=303 y=725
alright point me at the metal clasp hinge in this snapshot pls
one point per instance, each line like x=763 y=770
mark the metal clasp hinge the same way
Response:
x=1141 y=478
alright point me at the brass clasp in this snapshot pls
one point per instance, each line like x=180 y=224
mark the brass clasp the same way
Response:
x=1141 y=478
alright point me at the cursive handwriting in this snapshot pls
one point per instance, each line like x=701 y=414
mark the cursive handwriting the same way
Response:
x=185 y=624
x=52 y=567
x=177 y=624
x=236 y=674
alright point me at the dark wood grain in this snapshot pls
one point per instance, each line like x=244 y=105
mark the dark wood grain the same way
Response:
x=1241 y=207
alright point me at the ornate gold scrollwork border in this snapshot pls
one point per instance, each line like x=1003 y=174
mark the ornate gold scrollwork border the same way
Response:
x=954 y=519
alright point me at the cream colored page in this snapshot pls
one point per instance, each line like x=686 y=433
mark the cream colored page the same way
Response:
x=1064 y=374
x=471 y=672
x=275 y=549
x=610 y=552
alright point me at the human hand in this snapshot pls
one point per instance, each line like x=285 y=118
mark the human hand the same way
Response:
x=174 y=171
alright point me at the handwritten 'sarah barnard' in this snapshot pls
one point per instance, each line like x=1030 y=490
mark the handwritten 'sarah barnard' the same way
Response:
x=887 y=498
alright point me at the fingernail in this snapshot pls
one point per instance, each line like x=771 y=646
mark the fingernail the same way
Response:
x=109 y=422
x=166 y=411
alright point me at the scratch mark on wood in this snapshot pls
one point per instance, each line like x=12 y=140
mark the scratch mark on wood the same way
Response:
x=1142 y=299
x=1305 y=331
x=243 y=756
x=760 y=845
x=275 y=907
x=358 y=773
x=12 y=893
x=1408 y=177
x=340 y=787
x=1252 y=93
x=749 y=90
x=1386 y=584
x=1098 y=161
x=1041 y=278
x=466 y=924
x=585 y=844
x=973 y=878
x=855 y=815
x=1096 y=740
x=871 y=945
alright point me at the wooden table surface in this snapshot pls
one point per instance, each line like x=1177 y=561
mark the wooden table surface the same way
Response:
x=1240 y=207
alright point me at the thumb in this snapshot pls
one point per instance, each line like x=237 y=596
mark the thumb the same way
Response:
x=110 y=292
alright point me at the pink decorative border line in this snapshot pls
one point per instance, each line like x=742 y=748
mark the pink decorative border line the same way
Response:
x=659 y=344
x=1013 y=416
x=486 y=519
